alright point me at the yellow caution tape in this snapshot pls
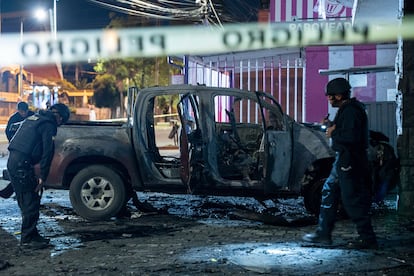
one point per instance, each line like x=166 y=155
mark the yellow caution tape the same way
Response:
x=90 y=45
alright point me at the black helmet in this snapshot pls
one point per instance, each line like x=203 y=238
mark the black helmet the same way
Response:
x=338 y=86
x=63 y=111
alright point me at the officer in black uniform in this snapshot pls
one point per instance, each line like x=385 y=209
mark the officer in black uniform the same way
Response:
x=33 y=144
x=22 y=113
x=349 y=179
x=12 y=125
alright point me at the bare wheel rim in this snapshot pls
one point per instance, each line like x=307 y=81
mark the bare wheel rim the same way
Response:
x=97 y=193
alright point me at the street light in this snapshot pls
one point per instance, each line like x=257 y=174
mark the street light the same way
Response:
x=40 y=15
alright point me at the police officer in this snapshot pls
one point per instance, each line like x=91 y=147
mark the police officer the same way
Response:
x=32 y=144
x=349 y=177
x=22 y=113
x=12 y=125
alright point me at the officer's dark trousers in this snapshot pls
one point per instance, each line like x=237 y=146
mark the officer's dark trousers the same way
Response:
x=24 y=184
x=354 y=192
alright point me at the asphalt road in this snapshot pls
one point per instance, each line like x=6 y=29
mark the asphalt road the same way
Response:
x=198 y=236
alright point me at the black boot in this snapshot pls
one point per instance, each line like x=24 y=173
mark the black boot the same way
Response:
x=37 y=242
x=318 y=238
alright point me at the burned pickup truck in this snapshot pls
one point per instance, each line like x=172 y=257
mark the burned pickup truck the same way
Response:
x=231 y=142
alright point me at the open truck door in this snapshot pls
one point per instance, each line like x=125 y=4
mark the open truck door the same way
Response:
x=276 y=145
x=190 y=128
x=254 y=146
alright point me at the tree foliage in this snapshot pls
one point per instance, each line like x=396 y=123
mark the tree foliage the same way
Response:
x=138 y=72
x=106 y=94
x=83 y=84
x=65 y=85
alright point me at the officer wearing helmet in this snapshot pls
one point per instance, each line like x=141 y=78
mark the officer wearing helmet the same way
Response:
x=349 y=177
x=33 y=144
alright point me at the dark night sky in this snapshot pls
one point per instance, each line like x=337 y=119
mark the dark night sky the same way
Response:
x=83 y=14
x=71 y=14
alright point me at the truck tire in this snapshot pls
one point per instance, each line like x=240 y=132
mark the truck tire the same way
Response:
x=97 y=193
x=312 y=195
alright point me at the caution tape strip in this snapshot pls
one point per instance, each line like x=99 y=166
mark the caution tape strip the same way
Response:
x=87 y=45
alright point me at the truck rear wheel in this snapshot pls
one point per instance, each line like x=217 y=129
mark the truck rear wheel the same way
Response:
x=312 y=195
x=97 y=193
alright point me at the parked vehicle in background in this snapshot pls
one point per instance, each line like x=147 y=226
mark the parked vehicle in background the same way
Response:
x=231 y=142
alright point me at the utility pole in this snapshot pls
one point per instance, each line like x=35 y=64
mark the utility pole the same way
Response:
x=20 y=80
x=406 y=140
x=0 y=18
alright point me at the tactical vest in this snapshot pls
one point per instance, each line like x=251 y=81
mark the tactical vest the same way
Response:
x=27 y=139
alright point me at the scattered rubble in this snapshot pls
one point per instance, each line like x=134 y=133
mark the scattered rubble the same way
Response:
x=186 y=234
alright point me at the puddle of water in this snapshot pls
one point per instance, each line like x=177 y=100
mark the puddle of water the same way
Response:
x=287 y=258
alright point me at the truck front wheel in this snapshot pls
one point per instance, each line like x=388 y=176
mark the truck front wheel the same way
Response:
x=97 y=193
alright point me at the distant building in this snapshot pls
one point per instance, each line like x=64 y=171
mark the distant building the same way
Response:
x=39 y=87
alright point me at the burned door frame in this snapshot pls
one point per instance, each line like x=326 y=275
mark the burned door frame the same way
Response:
x=277 y=145
x=188 y=136
x=272 y=150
